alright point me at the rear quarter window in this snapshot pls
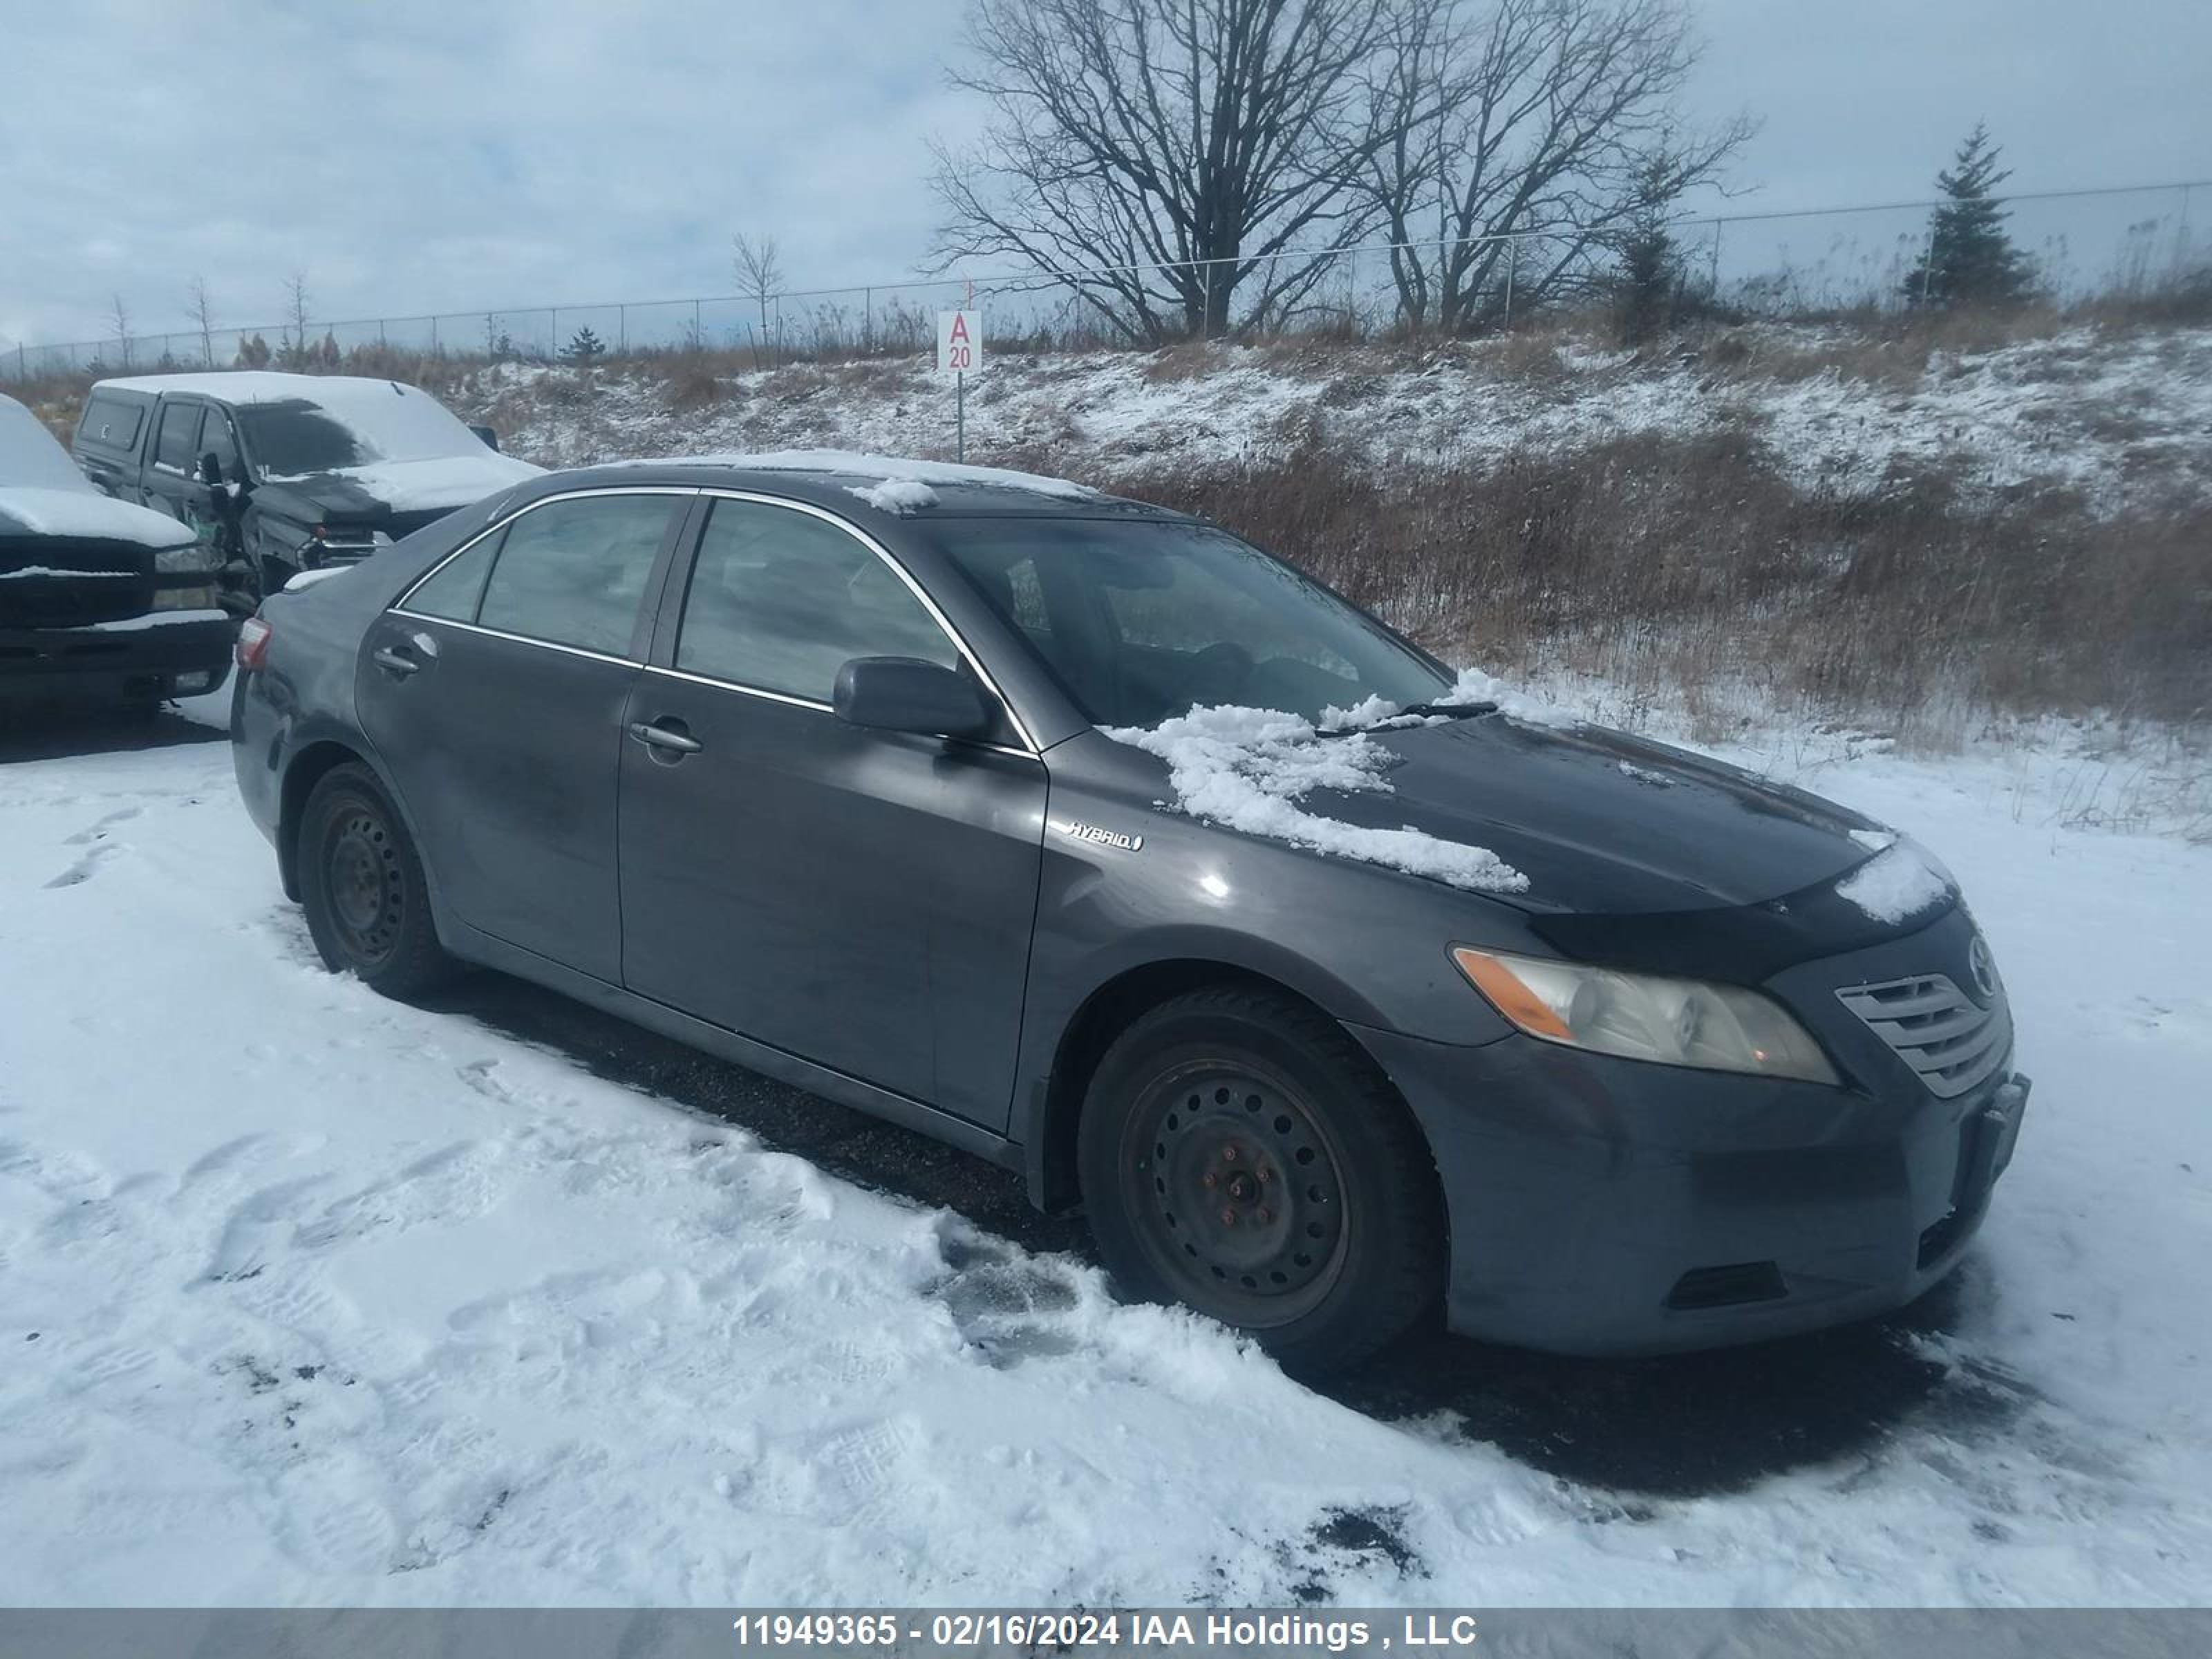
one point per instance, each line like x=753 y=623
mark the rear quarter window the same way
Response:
x=111 y=423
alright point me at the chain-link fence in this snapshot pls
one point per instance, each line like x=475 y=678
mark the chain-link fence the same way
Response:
x=2120 y=242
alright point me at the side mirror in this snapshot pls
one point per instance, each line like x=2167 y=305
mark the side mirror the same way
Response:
x=490 y=438
x=905 y=694
x=210 y=470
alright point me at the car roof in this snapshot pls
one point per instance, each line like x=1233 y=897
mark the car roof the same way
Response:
x=895 y=486
x=252 y=386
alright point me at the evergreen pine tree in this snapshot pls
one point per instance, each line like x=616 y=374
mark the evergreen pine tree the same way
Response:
x=1970 y=257
x=583 y=346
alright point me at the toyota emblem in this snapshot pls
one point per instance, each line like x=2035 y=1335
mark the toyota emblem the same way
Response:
x=1983 y=967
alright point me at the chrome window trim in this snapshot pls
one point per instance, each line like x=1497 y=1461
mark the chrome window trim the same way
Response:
x=398 y=606
x=518 y=639
x=810 y=704
x=943 y=623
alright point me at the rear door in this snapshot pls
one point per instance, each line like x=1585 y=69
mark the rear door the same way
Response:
x=495 y=693
x=862 y=899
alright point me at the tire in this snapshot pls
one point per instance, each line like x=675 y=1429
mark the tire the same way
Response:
x=362 y=885
x=1237 y=1153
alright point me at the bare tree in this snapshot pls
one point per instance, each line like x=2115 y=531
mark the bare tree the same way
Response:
x=1214 y=138
x=119 y=323
x=201 y=309
x=1548 y=125
x=758 y=266
x=294 y=349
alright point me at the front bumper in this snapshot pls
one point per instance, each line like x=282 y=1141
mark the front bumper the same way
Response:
x=164 y=653
x=1611 y=1207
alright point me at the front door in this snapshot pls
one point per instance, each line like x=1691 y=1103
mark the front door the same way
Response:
x=173 y=483
x=861 y=899
x=495 y=693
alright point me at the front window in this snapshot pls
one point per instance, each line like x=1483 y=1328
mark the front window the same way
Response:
x=1145 y=620
x=355 y=424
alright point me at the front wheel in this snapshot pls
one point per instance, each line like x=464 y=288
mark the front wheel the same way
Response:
x=361 y=884
x=1240 y=1154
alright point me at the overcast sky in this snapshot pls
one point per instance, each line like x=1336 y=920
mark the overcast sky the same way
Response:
x=458 y=155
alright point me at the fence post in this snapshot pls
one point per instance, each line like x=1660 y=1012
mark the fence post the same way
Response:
x=1512 y=265
x=867 y=319
x=553 y=329
x=698 y=336
x=1927 y=262
x=434 y=350
x=622 y=329
x=1713 y=280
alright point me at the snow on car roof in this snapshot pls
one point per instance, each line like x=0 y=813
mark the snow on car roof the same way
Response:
x=43 y=494
x=884 y=471
x=263 y=385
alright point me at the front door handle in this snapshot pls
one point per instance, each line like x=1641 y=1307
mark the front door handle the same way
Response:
x=394 y=662
x=661 y=737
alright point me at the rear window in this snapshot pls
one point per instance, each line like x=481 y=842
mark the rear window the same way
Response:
x=112 y=422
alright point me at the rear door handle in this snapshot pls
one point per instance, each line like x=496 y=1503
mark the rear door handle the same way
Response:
x=659 y=736
x=394 y=662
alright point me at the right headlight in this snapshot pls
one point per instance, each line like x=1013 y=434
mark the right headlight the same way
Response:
x=193 y=557
x=1674 y=1022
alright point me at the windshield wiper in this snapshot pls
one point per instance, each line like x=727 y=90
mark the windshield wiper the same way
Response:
x=1451 y=711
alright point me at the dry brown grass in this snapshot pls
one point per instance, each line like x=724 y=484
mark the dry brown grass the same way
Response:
x=1685 y=566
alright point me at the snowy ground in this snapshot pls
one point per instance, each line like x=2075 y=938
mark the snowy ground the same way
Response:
x=307 y=1296
x=2123 y=416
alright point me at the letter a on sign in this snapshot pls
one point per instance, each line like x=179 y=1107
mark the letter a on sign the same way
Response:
x=959 y=341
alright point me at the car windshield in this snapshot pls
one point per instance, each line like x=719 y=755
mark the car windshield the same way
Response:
x=355 y=424
x=1144 y=620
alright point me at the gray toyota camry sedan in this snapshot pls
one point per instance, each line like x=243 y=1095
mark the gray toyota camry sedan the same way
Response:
x=1335 y=985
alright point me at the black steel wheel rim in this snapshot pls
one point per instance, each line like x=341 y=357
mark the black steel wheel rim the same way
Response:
x=1236 y=1192
x=362 y=880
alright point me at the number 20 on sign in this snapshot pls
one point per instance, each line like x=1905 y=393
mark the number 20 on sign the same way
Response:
x=959 y=354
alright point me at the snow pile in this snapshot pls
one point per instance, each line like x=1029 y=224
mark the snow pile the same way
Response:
x=43 y=494
x=1898 y=882
x=1247 y=769
x=901 y=497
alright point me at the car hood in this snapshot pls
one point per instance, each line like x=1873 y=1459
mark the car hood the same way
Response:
x=369 y=492
x=27 y=511
x=1634 y=851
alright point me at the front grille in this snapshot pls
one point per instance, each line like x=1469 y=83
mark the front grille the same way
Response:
x=1950 y=1040
x=53 y=584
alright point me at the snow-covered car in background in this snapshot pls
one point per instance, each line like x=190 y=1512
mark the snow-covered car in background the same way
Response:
x=99 y=599
x=287 y=473
x=1089 y=837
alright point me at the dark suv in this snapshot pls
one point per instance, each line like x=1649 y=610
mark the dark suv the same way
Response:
x=99 y=600
x=286 y=472
x=1092 y=838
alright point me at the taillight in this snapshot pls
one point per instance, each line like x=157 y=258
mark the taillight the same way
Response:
x=253 y=637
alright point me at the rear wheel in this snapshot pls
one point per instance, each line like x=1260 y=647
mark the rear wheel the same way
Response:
x=1240 y=1154
x=362 y=887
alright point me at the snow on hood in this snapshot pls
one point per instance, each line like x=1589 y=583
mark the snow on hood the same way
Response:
x=436 y=484
x=1247 y=769
x=888 y=470
x=1900 y=880
x=43 y=494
